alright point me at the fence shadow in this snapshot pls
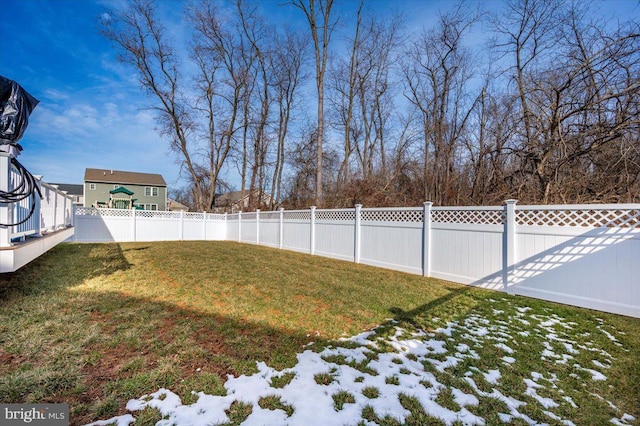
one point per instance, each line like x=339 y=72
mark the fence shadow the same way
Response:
x=593 y=270
x=412 y=316
x=97 y=347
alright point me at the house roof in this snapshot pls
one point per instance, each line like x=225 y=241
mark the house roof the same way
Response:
x=174 y=205
x=119 y=176
x=229 y=198
x=71 y=188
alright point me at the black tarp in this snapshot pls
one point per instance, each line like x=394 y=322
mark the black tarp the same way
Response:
x=16 y=105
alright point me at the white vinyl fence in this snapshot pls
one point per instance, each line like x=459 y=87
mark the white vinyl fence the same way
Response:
x=119 y=225
x=584 y=255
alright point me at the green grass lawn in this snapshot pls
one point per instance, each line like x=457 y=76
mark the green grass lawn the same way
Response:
x=95 y=325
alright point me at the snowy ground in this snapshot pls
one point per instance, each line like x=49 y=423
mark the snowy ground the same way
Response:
x=387 y=372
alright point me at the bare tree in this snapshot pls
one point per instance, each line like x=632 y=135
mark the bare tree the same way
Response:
x=288 y=74
x=195 y=118
x=361 y=96
x=374 y=88
x=300 y=183
x=436 y=70
x=256 y=33
x=322 y=25
x=343 y=85
x=557 y=121
x=577 y=91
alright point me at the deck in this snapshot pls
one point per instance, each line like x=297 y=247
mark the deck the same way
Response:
x=16 y=256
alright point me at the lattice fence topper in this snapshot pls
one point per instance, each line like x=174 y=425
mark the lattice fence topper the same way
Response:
x=460 y=215
x=248 y=216
x=337 y=215
x=154 y=214
x=193 y=216
x=385 y=215
x=269 y=215
x=233 y=216
x=611 y=218
x=215 y=216
x=298 y=215
x=91 y=211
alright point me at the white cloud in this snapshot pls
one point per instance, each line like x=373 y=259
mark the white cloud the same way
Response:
x=54 y=95
x=99 y=130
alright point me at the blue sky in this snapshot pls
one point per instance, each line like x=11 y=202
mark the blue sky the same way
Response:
x=92 y=111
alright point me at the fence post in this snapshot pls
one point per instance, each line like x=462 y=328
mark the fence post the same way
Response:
x=257 y=226
x=64 y=209
x=509 y=252
x=312 y=242
x=426 y=239
x=281 y=229
x=239 y=225
x=5 y=209
x=181 y=234
x=226 y=227
x=356 y=243
x=55 y=207
x=204 y=226
x=36 y=210
x=134 y=225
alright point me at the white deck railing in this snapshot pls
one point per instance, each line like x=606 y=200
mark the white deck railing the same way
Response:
x=52 y=212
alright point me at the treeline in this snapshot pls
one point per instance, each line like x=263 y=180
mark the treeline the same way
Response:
x=544 y=109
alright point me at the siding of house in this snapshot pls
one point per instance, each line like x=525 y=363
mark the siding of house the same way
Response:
x=107 y=180
x=101 y=193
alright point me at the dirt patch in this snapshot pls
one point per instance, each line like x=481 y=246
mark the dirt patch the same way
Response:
x=191 y=344
x=9 y=362
x=209 y=340
x=110 y=364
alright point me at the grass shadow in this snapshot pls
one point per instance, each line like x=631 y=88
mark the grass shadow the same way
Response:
x=77 y=327
x=95 y=325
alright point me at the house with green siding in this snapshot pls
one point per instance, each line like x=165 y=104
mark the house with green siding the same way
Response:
x=120 y=189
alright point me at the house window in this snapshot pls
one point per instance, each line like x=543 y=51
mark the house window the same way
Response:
x=151 y=207
x=92 y=187
x=150 y=191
